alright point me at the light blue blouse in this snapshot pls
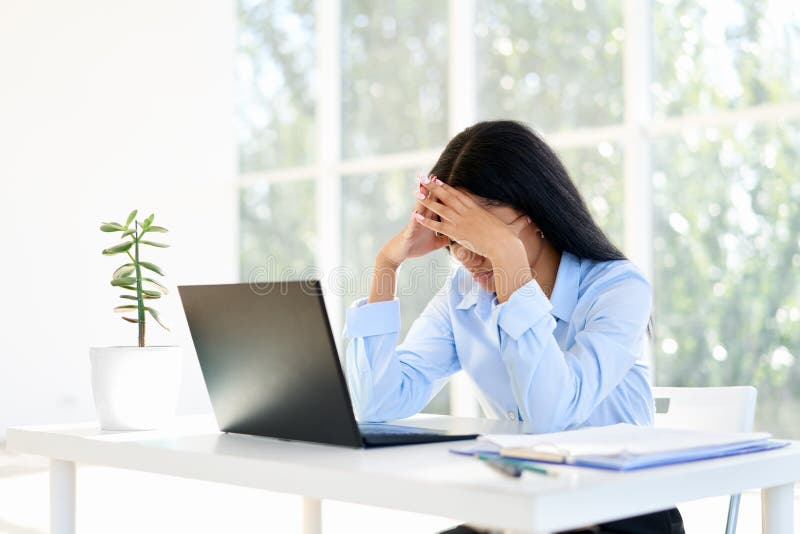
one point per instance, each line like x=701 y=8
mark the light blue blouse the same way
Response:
x=574 y=360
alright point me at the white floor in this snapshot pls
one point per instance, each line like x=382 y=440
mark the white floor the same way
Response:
x=119 y=501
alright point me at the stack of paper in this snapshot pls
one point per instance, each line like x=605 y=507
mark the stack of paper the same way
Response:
x=622 y=446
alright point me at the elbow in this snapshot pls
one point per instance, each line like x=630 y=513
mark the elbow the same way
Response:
x=550 y=406
x=365 y=412
x=403 y=400
x=545 y=424
x=560 y=410
x=363 y=406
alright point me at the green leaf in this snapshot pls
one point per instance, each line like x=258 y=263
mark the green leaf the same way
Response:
x=154 y=313
x=151 y=266
x=118 y=249
x=111 y=227
x=130 y=218
x=127 y=286
x=126 y=233
x=124 y=271
x=154 y=244
x=159 y=286
x=125 y=281
x=125 y=308
x=148 y=221
x=129 y=297
x=151 y=297
x=130 y=320
x=151 y=293
x=159 y=229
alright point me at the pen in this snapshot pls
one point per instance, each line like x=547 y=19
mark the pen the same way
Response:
x=511 y=467
x=498 y=464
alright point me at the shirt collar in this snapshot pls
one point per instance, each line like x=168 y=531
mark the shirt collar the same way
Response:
x=564 y=296
x=565 y=293
x=474 y=296
x=469 y=290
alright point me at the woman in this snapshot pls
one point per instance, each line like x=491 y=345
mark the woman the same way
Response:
x=545 y=315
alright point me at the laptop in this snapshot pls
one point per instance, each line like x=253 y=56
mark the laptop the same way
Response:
x=271 y=367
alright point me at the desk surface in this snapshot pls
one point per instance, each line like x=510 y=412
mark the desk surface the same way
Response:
x=419 y=478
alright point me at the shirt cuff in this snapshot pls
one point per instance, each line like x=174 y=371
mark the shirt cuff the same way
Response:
x=372 y=319
x=526 y=306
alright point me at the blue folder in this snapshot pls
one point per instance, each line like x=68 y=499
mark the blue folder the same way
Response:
x=641 y=461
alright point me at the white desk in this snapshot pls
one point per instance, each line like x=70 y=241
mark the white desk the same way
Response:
x=418 y=478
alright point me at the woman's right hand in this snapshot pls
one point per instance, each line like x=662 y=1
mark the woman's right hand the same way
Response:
x=413 y=241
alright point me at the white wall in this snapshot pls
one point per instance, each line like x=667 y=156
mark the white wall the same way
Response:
x=106 y=106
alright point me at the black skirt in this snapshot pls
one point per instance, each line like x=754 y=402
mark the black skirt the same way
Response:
x=664 y=522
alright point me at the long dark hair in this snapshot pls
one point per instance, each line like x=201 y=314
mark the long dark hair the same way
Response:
x=505 y=161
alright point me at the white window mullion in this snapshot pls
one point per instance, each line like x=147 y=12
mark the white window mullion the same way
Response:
x=328 y=143
x=462 y=93
x=584 y=137
x=761 y=114
x=637 y=75
x=461 y=104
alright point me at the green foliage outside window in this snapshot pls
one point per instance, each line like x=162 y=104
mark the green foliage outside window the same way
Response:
x=725 y=200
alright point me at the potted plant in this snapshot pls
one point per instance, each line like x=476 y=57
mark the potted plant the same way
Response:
x=135 y=387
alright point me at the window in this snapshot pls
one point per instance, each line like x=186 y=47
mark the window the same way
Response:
x=394 y=77
x=275 y=72
x=679 y=120
x=555 y=65
x=727 y=262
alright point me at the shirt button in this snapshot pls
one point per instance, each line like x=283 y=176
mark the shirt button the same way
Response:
x=512 y=415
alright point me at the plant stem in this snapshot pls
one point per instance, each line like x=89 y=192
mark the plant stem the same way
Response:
x=139 y=298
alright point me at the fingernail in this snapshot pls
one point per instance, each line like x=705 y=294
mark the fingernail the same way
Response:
x=420 y=196
x=418 y=217
x=426 y=179
x=438 y=181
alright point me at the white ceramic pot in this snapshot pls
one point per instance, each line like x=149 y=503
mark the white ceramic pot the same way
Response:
x=135 y=388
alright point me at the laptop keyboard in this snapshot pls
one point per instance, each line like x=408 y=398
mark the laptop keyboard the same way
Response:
x=379 y=435
x=392 y=430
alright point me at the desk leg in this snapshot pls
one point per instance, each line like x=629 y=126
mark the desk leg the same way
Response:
x=776 y=509
x=312 y=516
x=62 y=497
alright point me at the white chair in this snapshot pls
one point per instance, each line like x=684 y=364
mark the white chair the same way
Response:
x=726 y=409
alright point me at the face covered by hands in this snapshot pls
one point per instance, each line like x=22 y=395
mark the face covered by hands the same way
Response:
x=483 y=236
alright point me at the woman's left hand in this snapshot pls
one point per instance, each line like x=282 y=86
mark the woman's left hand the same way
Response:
x=463 y=220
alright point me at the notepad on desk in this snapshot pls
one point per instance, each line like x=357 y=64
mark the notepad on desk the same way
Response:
x=622 y=447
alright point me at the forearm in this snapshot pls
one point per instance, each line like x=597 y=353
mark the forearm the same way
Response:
x=379 y=388
x=384 y=280
x=510 y=267
x=382 y=387
x=542 y=382
x=389 y=382
x=557 y=388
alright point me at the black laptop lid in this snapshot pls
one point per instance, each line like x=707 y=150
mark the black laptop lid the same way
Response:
x=269 y=361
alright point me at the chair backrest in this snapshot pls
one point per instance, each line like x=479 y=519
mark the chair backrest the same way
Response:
x=724 y=409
